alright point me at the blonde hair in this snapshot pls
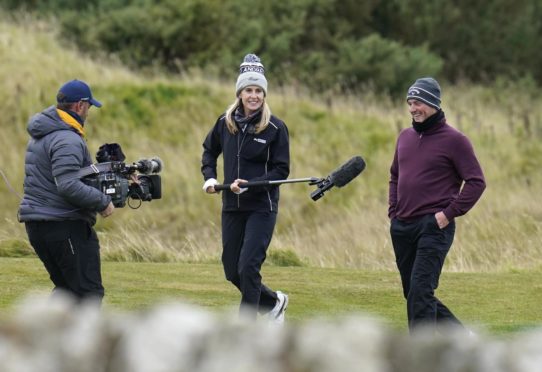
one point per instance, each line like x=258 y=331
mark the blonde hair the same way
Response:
x=264 y=121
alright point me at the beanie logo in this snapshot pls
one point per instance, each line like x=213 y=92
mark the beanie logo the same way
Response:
x=251 y=68
x=413 y=91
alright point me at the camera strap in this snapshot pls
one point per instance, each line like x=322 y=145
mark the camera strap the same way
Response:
x=86 y=171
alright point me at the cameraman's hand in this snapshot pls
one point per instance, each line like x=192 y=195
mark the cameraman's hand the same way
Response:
x=108 y=211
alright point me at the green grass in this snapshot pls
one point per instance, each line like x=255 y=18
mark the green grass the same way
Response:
x=500 y=303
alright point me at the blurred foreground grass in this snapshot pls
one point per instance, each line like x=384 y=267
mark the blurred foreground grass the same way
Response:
x=499 y=303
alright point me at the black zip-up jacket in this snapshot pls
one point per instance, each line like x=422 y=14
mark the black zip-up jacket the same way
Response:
x=263 y=156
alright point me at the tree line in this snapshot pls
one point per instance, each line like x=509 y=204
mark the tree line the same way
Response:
x=325 y=45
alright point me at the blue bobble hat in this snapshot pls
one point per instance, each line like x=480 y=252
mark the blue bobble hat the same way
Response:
x=426 y=90
x=75 y=91
x=251 y=72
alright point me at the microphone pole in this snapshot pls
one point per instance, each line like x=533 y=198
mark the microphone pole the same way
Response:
x=311 y=180
x=339 y=177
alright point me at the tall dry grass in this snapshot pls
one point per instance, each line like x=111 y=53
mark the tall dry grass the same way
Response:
x=169 y=116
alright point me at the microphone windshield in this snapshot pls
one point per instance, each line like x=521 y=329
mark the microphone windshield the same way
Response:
x=148 y=166
x=348 y=171
x=144 y=166
x=157 y=164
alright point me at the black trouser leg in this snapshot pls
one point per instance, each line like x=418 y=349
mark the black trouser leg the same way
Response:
x=246 y=237
x=233 y=232
x=420 y=250
x=70 y=252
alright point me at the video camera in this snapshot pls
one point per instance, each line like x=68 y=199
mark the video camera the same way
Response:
x=115 y=178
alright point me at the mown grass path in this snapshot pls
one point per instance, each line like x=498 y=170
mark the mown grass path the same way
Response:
x=498 y=302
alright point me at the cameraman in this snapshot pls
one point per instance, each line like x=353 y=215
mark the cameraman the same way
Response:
x=57 y=208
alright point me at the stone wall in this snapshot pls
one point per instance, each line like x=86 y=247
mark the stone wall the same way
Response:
x=58 y=336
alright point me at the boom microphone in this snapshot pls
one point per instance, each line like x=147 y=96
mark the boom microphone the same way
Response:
x=348 y=171
x=340 y=177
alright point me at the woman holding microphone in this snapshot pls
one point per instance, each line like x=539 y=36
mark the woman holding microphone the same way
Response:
x=255 y=147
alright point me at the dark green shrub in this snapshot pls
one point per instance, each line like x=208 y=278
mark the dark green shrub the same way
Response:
x=327 y=45
x=383 y=65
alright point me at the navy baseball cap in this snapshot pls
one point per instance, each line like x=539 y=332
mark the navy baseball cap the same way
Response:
x=75 y=91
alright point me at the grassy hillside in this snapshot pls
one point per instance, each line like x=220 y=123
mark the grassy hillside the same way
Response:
x=169 y=116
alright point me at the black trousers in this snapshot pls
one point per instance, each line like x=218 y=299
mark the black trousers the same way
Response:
x=70 y=252
x=420 y=250
x=245 y=239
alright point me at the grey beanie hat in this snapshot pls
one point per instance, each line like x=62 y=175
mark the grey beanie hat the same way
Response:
x=251 y=72
x=426 y=90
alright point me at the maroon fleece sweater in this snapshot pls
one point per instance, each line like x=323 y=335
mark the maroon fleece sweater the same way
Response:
x=428 y=170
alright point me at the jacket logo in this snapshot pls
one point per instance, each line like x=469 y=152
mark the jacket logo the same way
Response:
x=261 y=140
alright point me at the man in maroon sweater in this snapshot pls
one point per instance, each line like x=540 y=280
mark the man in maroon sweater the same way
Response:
x=431 y=164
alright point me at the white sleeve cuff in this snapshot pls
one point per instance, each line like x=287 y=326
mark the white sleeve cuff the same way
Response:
x=209 y=182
